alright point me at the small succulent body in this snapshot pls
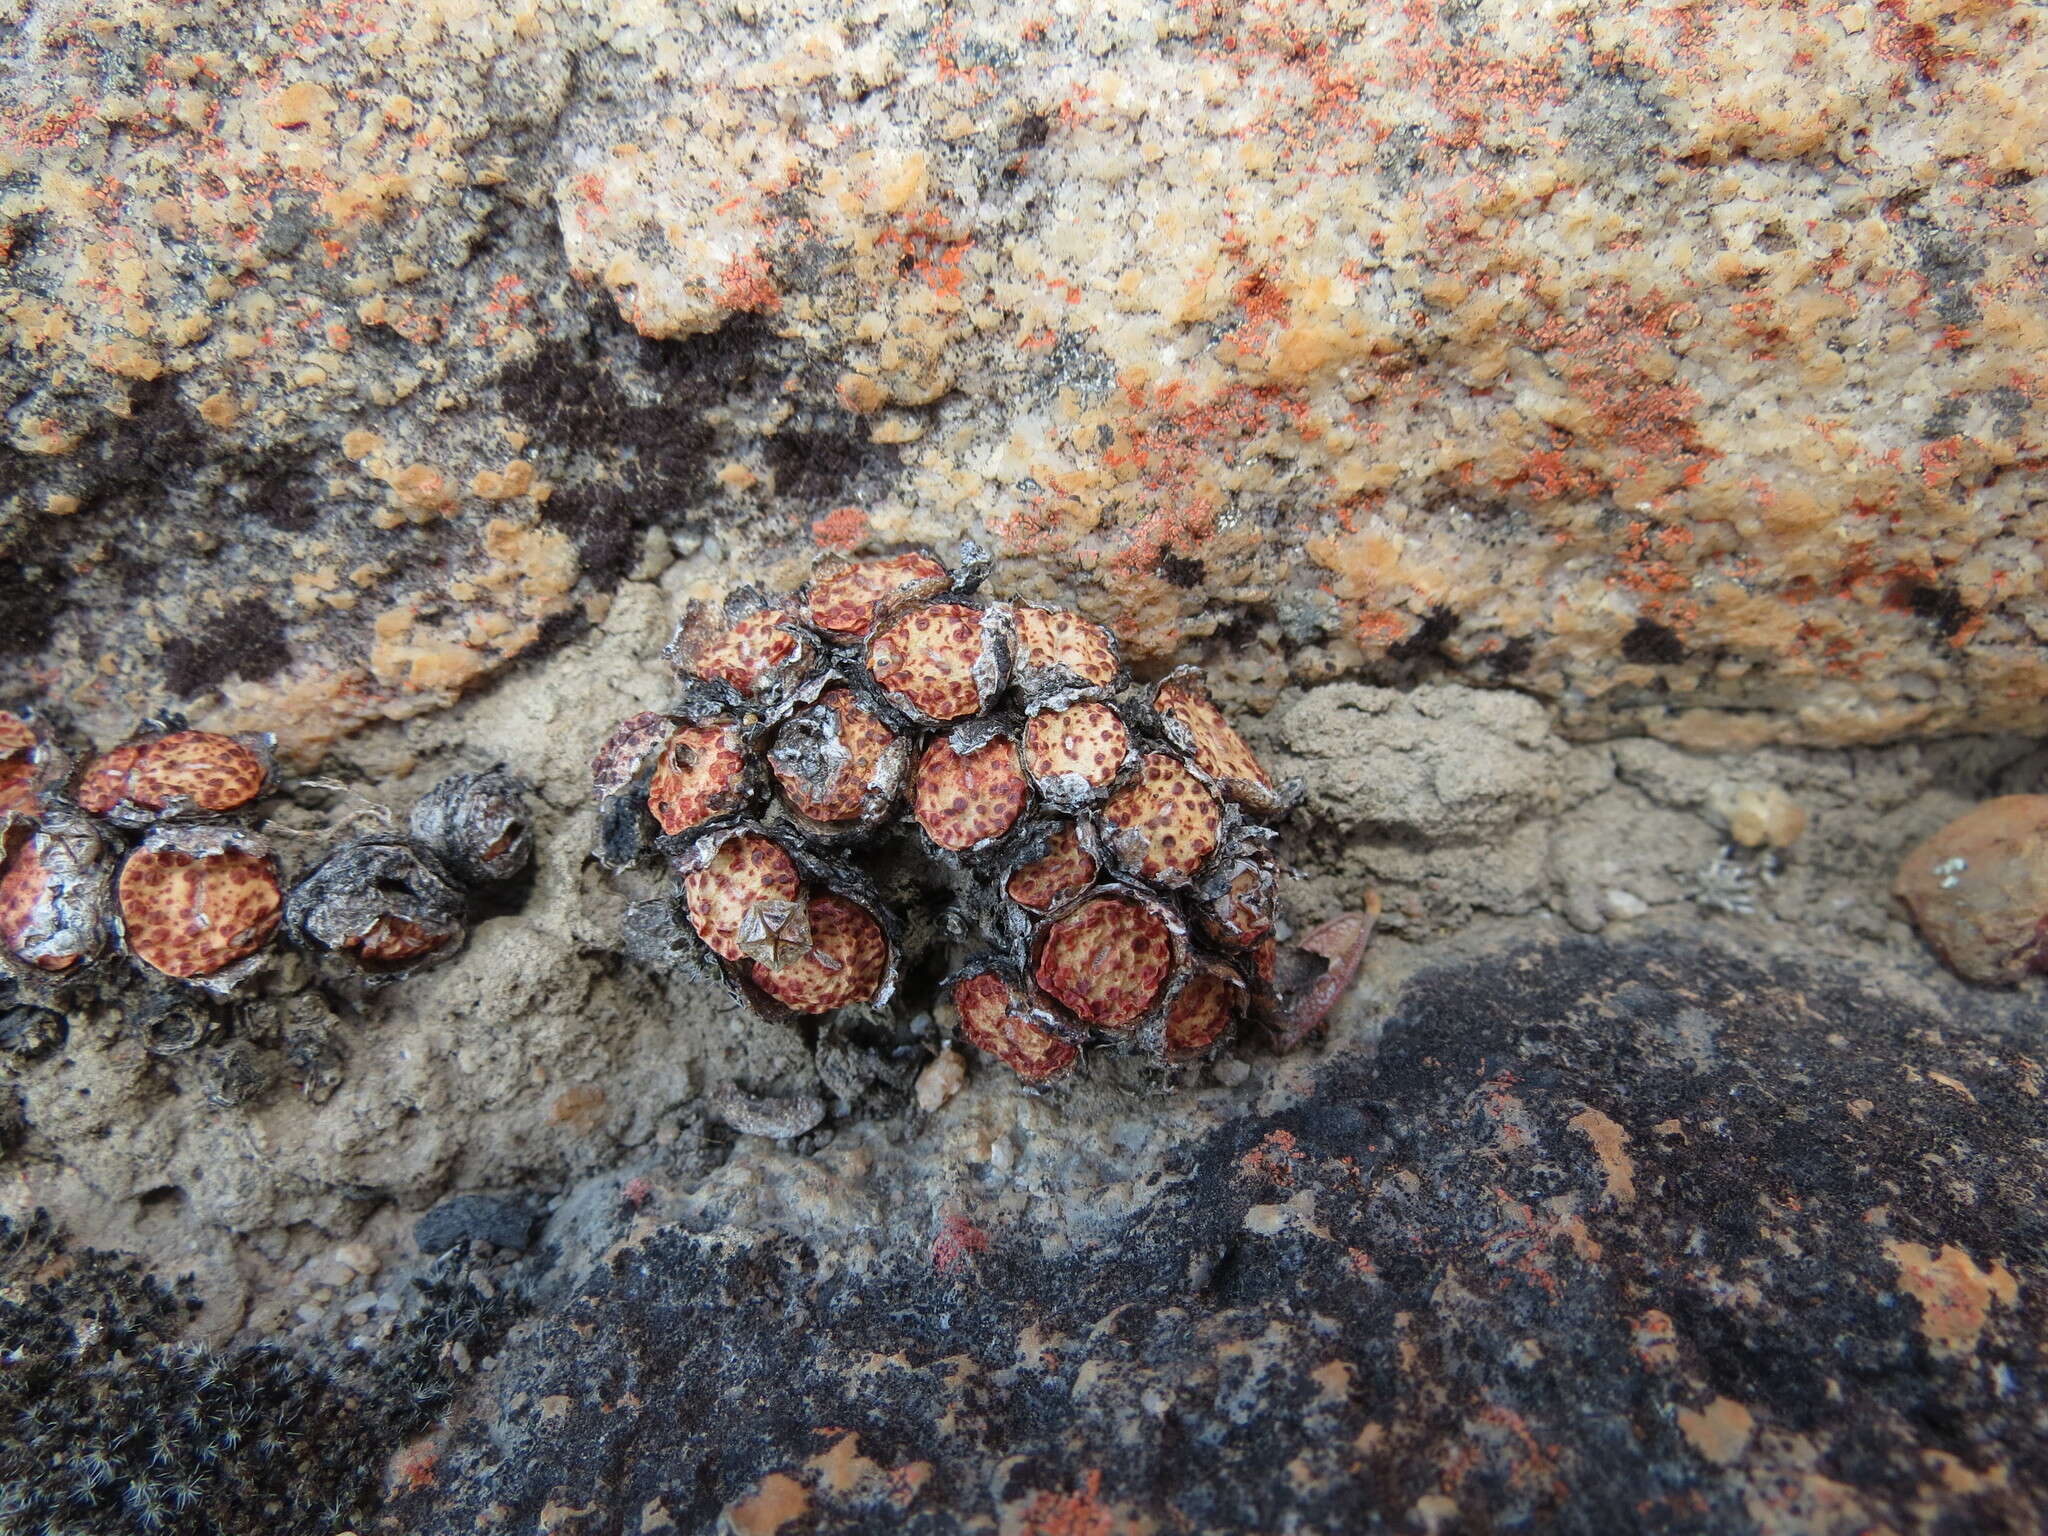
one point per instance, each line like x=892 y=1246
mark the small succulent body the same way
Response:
x=1094 y=850
x=378 y=909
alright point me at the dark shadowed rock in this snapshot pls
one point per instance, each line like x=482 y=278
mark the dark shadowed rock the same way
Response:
x=1603 y=1238
x=504 y=1221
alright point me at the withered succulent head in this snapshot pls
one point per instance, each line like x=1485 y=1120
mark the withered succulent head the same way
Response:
x=750 y=652
x=477 y=825
x=31 y=762
x=377 y=909
x=921 y=759
x=56 y=893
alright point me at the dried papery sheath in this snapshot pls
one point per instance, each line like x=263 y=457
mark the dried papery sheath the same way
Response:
x=29 y=1033
x=1189 y=719
x=177 y=775
x=199 y=903
x=618 y=778
x=1110 y=958
x=1237 y=902
x=56 y=894
x=967 y=802
x=477 y=826
x=1164 y=823
x=1074 y=750
x=376 y=910
x=838 y=766
x=999 y=1016
x=1057 y=652
x=842 y=602
x=940 y=662
x=752 y=651
x=1202 y=1012
x=172 y=1022
x=31 y=762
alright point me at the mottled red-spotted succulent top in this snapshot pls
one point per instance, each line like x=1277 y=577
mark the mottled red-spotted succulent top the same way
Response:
x=893 y=751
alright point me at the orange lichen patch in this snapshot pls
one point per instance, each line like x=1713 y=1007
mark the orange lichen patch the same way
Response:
x=747 y=871
x=780 y=1500
x=1106 y=961
x=842 y=528
x=25 y=891
x=838 y=789
x=104 y=782
x=1049 y=638
x=1064 y=869
x=845 y=964
x=1086 y=739
x=211 y=772
x=701 y=773
x=1171 y=818
x=962 y=802
x=744 y=652
x=193 y=914
x=393 y=941
x=1219 y=751
x=931 y=659
x=1199 y=1015
x=843 y=604
x=1955 y=1296
x=995 y=1019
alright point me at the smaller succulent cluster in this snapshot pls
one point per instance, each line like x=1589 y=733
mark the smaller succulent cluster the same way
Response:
x=152 y=853
x=892 y=752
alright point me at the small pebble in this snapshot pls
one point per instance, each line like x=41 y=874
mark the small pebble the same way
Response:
x=942 y=1077
x=1230 y=1072
x=758 y=1115
x=1978 y=890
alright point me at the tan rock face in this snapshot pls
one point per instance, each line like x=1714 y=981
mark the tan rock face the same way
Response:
x=1681 y=366
x=1978 y=889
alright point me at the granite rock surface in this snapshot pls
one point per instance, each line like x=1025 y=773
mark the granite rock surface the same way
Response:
x=1681 y=366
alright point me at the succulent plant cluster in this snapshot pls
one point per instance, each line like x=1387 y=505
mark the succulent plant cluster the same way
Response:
x=143 y=869
x=891 y=752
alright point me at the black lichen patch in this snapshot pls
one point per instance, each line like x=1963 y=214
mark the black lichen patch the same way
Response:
x=1652 y=644
x=247 y=641
x=1437 y=626
x=821 y=466
x=1937 y=602
x=1182 y=572
x=630 y=413
x=1577 y=1194
x=1951 y=265
x=34 y=598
